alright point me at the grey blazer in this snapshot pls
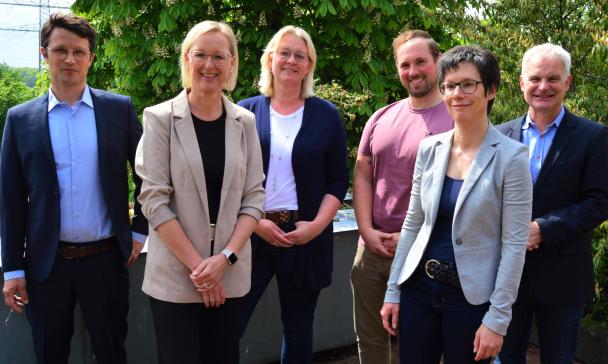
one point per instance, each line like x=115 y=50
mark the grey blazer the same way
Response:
x=490 y=227
x=169 y=162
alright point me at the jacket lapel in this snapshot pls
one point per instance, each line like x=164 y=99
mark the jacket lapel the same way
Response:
x=562 y=137
x=515 y=131
x=440 y=166
x=234 y=132
x=263 y=126
x=184 y=128
x=102 y=127
x=485 y=154
x=41 y=120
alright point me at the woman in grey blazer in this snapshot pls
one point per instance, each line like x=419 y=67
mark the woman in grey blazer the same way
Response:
x=201 y=166
x=460 y=256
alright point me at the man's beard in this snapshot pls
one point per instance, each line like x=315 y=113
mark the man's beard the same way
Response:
x=426 y=89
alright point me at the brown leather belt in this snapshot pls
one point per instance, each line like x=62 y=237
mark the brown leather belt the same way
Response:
x=70 y=250
x=282 y=217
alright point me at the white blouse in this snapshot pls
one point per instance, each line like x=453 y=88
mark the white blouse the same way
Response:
x=280 y=182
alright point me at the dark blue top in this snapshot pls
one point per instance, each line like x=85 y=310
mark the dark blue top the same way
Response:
x=440 y=243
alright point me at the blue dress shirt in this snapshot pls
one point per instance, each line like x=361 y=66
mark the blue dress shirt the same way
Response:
x=539 y=143
x=84 y=213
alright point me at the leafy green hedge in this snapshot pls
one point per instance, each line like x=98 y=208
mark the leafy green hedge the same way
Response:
x=355 y=109
x=597 y=312
x=13 y=91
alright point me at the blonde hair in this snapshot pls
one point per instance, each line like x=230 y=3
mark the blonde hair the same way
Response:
x=204 y=28
x=266 y=77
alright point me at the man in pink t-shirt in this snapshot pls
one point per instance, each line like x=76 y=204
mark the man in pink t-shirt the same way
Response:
x=383 y=182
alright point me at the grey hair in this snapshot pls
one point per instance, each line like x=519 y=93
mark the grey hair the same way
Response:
x=547 y=50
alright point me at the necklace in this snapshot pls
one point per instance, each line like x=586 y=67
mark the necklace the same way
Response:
x=284 y=137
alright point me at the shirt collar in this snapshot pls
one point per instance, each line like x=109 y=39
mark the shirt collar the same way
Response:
x=86 y=99
x=556 y=122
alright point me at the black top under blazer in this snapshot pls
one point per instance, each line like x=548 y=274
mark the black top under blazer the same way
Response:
x=320 y=167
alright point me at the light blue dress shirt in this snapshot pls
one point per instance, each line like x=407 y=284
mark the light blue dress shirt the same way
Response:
x=539 y=143
x=84 y=213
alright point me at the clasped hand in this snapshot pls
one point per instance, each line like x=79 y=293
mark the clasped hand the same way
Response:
x=305 y=231
x=207 y=276
x=381 y=243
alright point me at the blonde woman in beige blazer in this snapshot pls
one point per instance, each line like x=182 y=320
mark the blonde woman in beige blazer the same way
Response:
x=201 y=166
x=461 y=252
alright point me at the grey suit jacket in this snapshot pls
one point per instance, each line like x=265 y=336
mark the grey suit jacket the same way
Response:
x=490 y=226
x=169 y=162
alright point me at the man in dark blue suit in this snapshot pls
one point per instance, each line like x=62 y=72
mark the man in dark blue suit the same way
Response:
x=569 y=168
x=65 y=224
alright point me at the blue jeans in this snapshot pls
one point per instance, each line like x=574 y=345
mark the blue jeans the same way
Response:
x=436 y=319
x=297 y=304
x=557 y=331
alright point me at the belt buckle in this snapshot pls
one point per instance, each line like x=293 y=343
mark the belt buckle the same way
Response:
x=427 y=267
x=71 y=252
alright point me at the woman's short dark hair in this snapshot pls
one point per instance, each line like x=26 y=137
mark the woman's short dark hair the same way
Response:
x=70 y=22
x=484 y=60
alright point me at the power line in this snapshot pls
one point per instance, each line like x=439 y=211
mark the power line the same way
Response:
x=30 y=4
x=44 y=11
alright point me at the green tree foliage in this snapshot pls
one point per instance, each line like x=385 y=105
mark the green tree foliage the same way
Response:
x=350 y=104
x=13 y=91
x=509 y=27
x=598 y=312
x=139 y=41
x=28 y=75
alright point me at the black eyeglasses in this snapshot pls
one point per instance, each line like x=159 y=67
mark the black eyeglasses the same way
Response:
x=466 y=86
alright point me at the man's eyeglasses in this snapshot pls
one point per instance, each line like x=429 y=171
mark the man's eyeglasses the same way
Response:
x=466 y=86
x=218 y=59
x=285 y=54
x=79 y=54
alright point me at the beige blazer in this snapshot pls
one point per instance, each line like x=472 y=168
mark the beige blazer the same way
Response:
x=490 y=226
x=169 y=162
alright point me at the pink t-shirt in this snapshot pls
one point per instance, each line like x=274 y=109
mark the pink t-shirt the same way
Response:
x=391 y=138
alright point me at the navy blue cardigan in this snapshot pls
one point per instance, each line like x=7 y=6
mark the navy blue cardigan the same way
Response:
x=319 y=162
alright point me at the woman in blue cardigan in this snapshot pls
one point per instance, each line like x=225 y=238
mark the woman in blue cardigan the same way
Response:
x=304 y=153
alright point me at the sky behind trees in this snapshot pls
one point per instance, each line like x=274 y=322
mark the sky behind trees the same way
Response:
x=20 y=48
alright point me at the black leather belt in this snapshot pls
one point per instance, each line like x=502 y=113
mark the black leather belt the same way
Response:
x=282 y=217
x=70 y=250
x=444 y=272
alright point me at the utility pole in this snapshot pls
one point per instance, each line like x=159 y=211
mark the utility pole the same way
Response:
x=44 y=11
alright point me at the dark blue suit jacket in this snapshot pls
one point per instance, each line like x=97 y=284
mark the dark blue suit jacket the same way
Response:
x=570 y=199
x=320 y=167
x=29 y=205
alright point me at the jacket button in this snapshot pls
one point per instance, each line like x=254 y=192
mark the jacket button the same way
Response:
x=458 y=242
